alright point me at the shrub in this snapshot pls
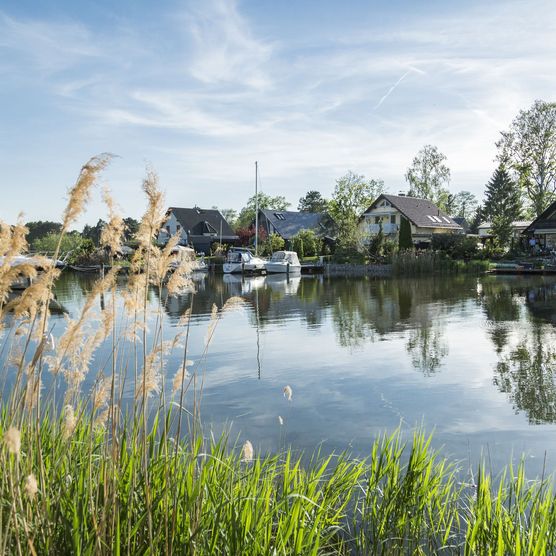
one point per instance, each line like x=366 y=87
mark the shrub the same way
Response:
x=457 y=246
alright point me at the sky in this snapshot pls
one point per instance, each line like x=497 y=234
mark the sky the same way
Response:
x=200 y=90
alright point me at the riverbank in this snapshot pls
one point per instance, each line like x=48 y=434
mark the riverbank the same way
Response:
x=72 y=486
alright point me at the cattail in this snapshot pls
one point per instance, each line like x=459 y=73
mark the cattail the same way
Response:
x=288 y=392
x=70 y=421
x=247 y=451
x=280 y=420
x=31 y=487
x=12 y=440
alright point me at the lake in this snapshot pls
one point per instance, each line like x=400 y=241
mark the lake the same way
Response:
x=470 y=359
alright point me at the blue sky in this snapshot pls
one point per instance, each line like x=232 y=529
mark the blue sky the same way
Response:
x=201 y=89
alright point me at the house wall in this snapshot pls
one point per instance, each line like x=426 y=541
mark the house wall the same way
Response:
x=390 y=218
x=171 y=228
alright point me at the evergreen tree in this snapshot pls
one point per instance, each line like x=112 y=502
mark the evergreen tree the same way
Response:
x=503 y=204
x=405 y=241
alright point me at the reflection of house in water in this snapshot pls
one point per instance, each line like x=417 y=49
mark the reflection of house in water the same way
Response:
x=541 y=302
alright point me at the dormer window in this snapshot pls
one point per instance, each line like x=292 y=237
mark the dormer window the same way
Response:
x=279 y=216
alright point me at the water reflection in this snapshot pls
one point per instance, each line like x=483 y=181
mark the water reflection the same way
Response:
x=473 y=358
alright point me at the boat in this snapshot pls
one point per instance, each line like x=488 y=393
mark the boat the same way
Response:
x=283 y=262
x=242 y=260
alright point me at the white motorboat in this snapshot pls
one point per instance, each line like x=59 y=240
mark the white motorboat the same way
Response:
x=283 y=262
x=240 y=259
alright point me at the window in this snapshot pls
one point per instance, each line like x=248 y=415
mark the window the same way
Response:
x=430 y=218
x=168 y=229
x=178 y=227
x=377 y=219
x=392 y=219
x=279 y=216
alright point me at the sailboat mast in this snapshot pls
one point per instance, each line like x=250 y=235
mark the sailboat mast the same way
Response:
x=256 y=208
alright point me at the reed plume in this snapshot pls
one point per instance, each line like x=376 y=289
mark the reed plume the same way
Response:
x=70 y=422
x=113 y=232
x=12 y=440
x=288 y=392
x=80 y=192
x=31 y=486
x=247 y=452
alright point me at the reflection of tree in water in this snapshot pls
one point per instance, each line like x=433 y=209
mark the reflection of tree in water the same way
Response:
x=427 y=348
x=501 y=300
x=528 y=375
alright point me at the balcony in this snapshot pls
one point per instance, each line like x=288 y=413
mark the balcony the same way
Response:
x=386 y=228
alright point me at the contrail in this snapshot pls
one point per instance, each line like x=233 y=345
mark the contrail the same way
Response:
x=391 y=89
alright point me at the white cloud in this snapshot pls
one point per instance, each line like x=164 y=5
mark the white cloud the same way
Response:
x=225 y=49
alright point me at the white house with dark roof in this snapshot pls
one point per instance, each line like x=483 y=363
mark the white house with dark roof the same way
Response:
x=423 y=215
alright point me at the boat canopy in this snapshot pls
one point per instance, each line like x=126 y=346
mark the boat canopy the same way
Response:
x=285 y=257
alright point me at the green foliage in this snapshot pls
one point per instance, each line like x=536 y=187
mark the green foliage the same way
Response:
x=94 y=232
x=352 y=196
x=420 y=263
x=40 y=229
x=404 y=236
x=311 y=244
x=502 y=205
x=457 y=246
x=247 y=214
x=72 y=244
x=298 y=246
x=528 y=148
x=131 y=228
x=313 y=201
x=428 y=176
x=465 y=204
x=274 y=242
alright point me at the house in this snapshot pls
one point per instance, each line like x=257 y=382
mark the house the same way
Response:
x=423 y=215
x=518 y=226
x=543 y=228
x=197 y=227
x=287 y=224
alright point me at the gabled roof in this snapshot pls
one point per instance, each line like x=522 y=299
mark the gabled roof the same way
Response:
x=420 y=212
x=545 y=220
x=198 y=221
x=289 y=223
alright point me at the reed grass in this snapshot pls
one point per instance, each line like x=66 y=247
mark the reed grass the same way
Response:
x=90 y=474
x=419 y=263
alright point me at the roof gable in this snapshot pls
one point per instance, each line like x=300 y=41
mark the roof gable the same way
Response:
x=290 y=223
x=198 y=221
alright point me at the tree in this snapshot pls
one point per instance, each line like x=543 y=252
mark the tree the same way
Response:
x=230 y=216
x=352 y=196
x=40 y=228
x=465 y=204
x=502 y=205
x=428 y=176
x=528 y=148
x=312 y=244
x=404 y=239
x=274 y=242
x=93 y=232
x=247 y=214
x=131 y=228
x=313 y=201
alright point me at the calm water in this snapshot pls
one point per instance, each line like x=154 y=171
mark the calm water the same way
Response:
x=470 y=359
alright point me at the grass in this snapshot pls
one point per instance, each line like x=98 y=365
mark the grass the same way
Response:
x=88 y=474
x=419 y=263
